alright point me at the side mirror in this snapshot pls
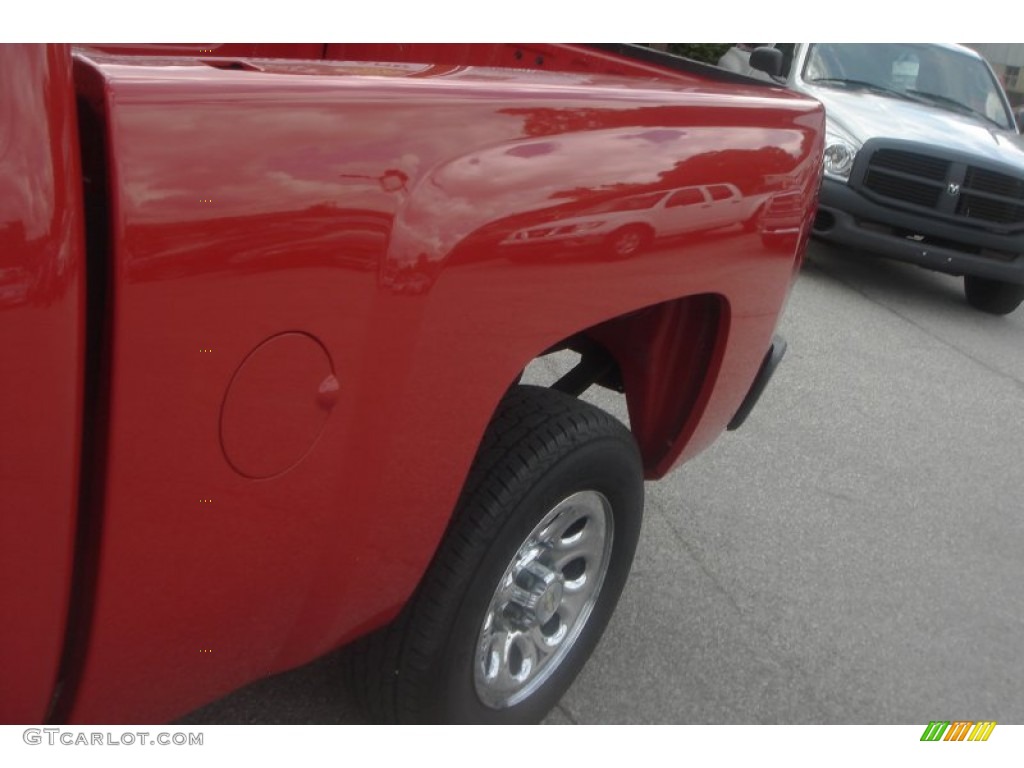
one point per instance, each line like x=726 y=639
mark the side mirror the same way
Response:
x=768 y=60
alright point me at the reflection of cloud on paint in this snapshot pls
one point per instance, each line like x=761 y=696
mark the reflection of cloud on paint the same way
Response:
x=303 y=191
x=533 y=149
x=410 y=163
x=432 y=226
x=585 y=158
x=143 y=192
x=658 y=135
x=409 y=241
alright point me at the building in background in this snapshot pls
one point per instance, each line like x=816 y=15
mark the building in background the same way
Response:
x=1007 y=59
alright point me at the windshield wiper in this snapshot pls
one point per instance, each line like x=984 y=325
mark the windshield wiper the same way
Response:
x=862 y=85
x=959 y=106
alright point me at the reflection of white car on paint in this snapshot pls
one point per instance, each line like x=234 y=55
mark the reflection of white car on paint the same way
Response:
x=629 y=224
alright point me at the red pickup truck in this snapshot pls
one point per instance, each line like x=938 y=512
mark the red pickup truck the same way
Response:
x=264 y=312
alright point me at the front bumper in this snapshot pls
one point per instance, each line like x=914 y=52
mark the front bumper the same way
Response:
x=848 y=218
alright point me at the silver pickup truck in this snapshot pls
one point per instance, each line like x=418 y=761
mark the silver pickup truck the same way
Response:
x=923 y=160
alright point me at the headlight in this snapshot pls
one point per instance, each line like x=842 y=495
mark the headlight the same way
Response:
x=840 y=152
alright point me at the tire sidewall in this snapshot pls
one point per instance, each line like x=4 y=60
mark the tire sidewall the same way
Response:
x=609 y=465
x=993 y=296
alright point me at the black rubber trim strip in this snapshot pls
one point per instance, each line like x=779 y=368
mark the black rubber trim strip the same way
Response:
x=764 y=375
x=95 y=413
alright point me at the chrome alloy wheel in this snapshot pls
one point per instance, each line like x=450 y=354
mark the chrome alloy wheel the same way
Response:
x=543 y=600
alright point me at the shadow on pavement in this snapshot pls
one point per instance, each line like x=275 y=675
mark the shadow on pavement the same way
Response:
x=878 y=277
x=314 y=694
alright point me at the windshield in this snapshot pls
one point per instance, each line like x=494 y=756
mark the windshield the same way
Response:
x=931 y=74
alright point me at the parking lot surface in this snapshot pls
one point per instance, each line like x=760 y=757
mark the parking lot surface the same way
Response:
x=853 y=554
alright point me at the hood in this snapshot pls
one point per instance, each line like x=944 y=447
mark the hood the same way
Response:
x=865 y=115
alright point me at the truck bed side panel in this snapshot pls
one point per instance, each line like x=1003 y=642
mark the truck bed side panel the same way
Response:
x=320 y=297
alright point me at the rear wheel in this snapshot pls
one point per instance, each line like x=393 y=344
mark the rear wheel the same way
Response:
x=993 y=296
x=526 y=578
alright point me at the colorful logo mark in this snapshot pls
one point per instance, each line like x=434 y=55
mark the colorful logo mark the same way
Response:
x=959 y=730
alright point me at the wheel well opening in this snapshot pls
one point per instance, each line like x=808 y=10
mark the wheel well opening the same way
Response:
x=652 y=369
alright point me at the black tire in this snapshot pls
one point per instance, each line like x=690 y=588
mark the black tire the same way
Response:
x=629 y=241
x=992 y=296
x=541 y=448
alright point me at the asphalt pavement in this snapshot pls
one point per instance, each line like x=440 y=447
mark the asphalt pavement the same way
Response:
x=853 y=554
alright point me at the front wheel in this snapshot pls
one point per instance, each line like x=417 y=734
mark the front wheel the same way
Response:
x=527 y=575
x=992 y=296
x=629 y=241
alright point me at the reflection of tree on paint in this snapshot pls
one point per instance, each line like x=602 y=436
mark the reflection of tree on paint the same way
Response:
x=323 y=234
